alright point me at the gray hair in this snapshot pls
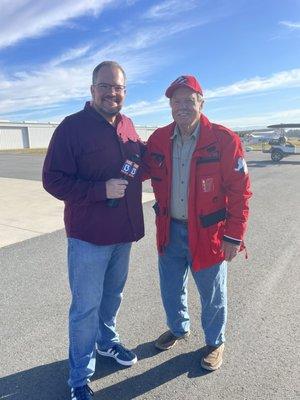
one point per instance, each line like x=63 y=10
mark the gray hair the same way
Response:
x=200 y=97
x=112 y=64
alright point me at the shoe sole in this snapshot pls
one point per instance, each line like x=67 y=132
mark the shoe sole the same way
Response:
x=121 y=362
x=208 y=368
x=161 y=347
x=164 y=348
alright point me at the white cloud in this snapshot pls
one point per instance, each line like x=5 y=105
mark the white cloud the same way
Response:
x=285 y=116
x=48 y=86
x=290 y=25
x=170 y=8
x=147 y=107
x=21 y=19
x=71 y=55
x=204 y=11
x=59 y=80
x=131 y=2
x=257 y=85
x=144 y=38
x=67 y=77
x=284 y=79
x=54 y=84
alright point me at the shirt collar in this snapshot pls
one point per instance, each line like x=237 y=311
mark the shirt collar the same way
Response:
x=91 y=110
x=194 y=135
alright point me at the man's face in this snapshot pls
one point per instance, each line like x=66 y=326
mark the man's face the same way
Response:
x=186 y=106
x=108 y=92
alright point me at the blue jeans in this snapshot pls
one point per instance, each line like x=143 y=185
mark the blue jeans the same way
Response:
x=211 y=284
x=97 y=276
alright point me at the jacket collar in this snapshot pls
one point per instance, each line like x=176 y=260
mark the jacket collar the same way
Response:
x=194 y=134
x=124 y=127
x=207 y=136
x=91 y=111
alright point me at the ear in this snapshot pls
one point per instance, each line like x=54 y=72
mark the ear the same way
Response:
x=92 y=91
x=201 y=105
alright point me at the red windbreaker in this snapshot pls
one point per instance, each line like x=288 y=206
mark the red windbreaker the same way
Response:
x=219 y=189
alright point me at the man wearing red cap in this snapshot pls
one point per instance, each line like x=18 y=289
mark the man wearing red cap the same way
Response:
x=201 y=185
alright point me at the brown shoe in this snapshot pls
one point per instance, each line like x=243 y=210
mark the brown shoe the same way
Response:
x=167 y=340
x=214 y=358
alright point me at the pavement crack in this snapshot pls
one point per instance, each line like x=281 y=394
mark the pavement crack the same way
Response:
x=22 y=229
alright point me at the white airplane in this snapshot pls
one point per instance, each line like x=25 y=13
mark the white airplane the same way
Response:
x=252 y=138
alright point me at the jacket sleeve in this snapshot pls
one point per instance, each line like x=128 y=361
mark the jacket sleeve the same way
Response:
x=60 y=174
x=146 y=161
x=236 y=183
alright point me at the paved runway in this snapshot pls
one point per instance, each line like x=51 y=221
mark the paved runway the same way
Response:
x=22 y=196
x=261 y=357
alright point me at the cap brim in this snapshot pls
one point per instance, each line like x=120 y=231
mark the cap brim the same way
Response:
x=171 y=89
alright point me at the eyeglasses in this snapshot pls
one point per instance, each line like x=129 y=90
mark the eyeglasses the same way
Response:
x=106 y=87
x=183 y=102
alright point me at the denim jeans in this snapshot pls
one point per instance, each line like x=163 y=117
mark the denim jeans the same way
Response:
x=97 y=276
x=211 y=284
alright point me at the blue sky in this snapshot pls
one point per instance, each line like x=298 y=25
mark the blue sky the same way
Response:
x=246 y=55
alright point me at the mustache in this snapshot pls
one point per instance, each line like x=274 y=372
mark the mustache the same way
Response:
x=110 y=98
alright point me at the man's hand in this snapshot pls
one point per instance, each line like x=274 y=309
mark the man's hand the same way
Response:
x=230 y=250
x=115 y=188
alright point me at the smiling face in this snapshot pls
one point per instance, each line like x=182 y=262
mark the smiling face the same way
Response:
x=186 y=107
x=108 y=92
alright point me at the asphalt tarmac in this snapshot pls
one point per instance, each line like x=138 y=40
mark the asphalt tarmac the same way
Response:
x=261 y=358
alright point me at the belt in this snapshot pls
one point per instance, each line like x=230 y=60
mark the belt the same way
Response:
x=180 y=221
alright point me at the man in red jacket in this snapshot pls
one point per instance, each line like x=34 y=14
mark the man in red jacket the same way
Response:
x=201 y=185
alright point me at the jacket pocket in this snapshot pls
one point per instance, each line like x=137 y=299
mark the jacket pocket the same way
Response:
x=216 y=233
x=91 y=164
x=213 y=225
x=158 y=181
x=209 y=194
x=213 y=218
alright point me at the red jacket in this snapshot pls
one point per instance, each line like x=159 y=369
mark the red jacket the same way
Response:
x=219 y=189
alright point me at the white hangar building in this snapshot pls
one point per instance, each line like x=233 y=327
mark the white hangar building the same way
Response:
x=20 y=135
x=34 y=135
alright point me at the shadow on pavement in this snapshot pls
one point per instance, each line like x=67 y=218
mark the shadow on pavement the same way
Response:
x=187 y=363
x=266 y=163
x=44 y=382
x=48 y=382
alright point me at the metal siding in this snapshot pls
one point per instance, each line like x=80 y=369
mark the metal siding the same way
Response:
x=15 y=135
x=11 y=137
x=39 y=136
x=145 y=131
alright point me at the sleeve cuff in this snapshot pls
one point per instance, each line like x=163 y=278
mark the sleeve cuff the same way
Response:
x=99 y=192
x=231 y=240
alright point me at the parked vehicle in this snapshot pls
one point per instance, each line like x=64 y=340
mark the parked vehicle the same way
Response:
x=280 y=148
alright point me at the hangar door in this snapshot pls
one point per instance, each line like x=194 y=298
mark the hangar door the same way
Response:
x=13 y=138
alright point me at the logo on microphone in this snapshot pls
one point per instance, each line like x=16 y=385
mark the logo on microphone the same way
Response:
x=129 y=168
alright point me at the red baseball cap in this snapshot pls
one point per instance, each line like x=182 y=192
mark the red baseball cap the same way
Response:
x=184 y=80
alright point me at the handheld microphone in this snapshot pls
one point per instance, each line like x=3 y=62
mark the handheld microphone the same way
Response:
x=128 y=170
